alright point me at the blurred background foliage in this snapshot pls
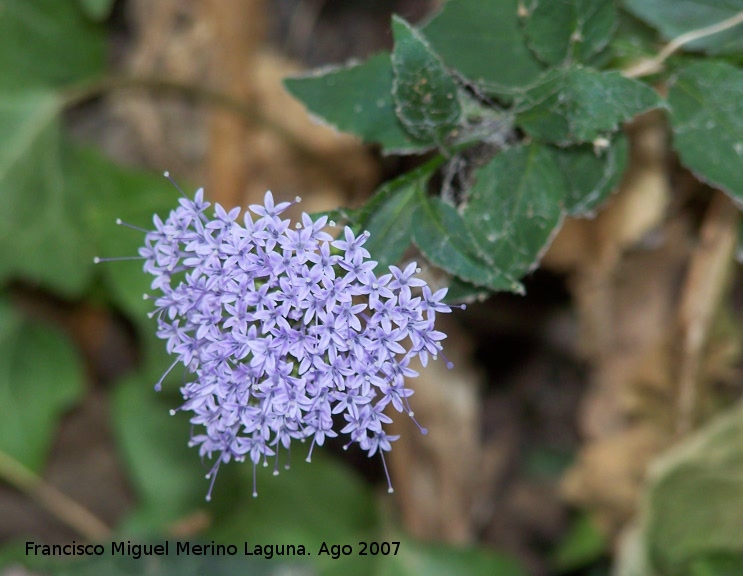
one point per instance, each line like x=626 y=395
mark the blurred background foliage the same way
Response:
x=586 y=429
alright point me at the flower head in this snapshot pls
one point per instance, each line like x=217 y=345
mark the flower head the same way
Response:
x=280 y=328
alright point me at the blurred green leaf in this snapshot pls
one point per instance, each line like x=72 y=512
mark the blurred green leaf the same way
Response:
x=48 y=43
x=706 y=100
x=97 y=9
x=441 y=234
x=436 y=559
x=424 y=92
x=134 y=197
x=574 y=30
x=515 y=208
x=633 y=41
x=175 y=565
x=583 y=544
x=483 y=41
x=576 y=104
x=717 y=565
x=41 y=377
x=41 y=236
x=357 y=99
x=591 y=173
x=167 y=475
x=695 y=499
x=311 y=503
x=676 y=17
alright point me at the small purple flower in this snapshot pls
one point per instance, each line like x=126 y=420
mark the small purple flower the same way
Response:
x=281 y=328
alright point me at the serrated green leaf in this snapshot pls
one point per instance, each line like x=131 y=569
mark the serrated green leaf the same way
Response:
x=576 y=104
x=483 y=41
x=41 y=377
x=706 y=101
x=424 y=92
x=438 y=559
x=515 y=207
x=574 y=30
x=441 y=234
x=680 y=526
x=48 y=43
x=591 y=173
x=357 y=99
x=41 y=236
x=676 y=17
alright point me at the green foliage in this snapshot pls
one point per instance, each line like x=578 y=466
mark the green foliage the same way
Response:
x=520 y=118
x=694 y=505
x=483 y=42
x=171 y=565
x=573 y=30
x=39 y=206
x=514 y=209
x=40 y=378
x=48 y=43
x=591 y=173
x=676 y=17
x=577 y=104
x=357 y=99
x=473 y=75
x=706 y=100
x=97 y=9
x=425 y=94
x=584 y=543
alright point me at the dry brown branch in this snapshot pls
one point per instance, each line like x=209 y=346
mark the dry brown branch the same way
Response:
x=703 y=289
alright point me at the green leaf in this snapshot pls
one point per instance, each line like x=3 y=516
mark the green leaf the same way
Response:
x=676 y=17
x=48 y=42
x=584 y=543
x=425 y=94
x=134 y=197
x=173 y=564
x=311 y=503
x=390 y=225
x=591 y=173
x=461 y=291
x=41 y=377
x=633 y=41
x=681 y=526
x=483 y=41
x=357 y=99
x=41 y=236
x=575 y=30
x=576 y=104
x=515 y=208
x=97 y=9
x=438 y=559
x=706 y=101
x=441 y=234
x=166 y=474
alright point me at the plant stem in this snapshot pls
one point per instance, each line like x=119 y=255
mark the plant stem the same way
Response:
x=57 y=503
x=655 y=65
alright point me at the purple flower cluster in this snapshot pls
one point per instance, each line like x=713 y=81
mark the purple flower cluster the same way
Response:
x=283 y=328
